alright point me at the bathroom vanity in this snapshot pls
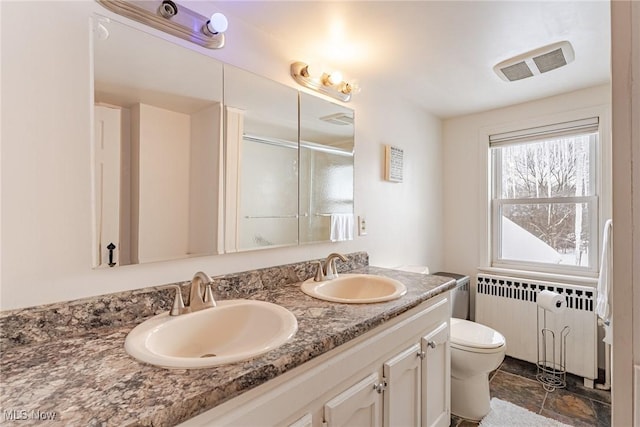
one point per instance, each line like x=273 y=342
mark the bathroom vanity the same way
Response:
x=396 y=374
x=391 y=357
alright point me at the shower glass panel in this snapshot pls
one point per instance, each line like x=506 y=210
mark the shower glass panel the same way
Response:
x=268 y=215
x=326 y=170
x=261 y=145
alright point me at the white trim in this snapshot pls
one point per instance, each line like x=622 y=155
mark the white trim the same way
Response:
x=547 y=200
x=498 y=203
x=625 y=66
x=498 y=261
x=534 y=267
x=234 y=129
x=484 y=202
x=636 y=406
x=540 y=133
x=538 y=275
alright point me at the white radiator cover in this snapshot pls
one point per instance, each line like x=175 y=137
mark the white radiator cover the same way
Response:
x=508 y=305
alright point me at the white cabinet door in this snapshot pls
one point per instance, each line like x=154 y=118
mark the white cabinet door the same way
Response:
x=436 y=370
x=358 y=406
x=401 y=407
x=304 y=421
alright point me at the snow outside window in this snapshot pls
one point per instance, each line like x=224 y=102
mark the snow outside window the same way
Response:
x=544 y=198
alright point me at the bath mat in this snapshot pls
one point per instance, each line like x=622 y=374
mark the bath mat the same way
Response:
x=505 y=414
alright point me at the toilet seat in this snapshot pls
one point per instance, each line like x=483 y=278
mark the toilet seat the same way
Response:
x=474 y=337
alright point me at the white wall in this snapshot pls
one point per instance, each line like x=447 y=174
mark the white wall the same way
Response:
x=164 y=144
x=204 y=180
x=404 y=220
x=465 y=171
x=46 y=179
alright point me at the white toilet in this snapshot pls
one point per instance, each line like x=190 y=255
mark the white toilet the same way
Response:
x=476 y=350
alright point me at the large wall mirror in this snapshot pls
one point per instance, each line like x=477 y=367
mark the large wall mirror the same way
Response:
x=157 y=117
x=193 y=157
x=326 y=170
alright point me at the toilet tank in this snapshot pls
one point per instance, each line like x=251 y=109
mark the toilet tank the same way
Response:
x=459 y=295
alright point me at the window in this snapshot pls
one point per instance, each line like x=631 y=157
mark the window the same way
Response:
x=544 y=198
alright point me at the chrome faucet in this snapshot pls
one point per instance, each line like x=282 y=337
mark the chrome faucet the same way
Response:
x=197 y=300
x=329 y=270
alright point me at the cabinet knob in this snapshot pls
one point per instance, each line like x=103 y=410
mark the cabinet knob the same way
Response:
x=422 y=355
x=432 y=344
x=380 y=387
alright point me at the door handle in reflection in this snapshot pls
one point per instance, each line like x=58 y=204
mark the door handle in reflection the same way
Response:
x=111 y=247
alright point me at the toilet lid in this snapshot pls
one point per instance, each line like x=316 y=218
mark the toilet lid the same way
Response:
x=475 y=335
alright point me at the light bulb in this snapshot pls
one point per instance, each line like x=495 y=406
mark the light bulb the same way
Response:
x=217 y=23
x=353 y=87
x=314 y=70
x=335 y=78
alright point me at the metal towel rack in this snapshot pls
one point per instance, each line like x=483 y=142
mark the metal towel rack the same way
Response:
x=269 y=216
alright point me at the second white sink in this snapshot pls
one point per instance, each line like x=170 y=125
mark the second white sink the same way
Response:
x=355 y=289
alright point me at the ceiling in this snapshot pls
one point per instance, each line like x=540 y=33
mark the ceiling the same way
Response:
x=440 y=54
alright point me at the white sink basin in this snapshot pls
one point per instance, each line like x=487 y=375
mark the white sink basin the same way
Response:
x=235 y=330
x=355 y=289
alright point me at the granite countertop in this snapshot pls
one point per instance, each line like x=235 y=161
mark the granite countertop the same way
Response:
x=89 y=379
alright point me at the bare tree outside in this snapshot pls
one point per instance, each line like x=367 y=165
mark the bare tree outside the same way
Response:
x=554 y=171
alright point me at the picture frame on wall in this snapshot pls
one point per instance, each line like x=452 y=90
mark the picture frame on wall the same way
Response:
x=393 y=165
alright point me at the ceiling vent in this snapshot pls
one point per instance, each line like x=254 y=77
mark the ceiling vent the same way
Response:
x=535 y=62
x=338 y=119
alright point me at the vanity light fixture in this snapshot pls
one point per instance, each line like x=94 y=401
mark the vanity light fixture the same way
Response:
x=331 y=84
x=179 y=21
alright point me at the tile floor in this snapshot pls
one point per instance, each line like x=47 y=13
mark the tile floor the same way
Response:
x=515 y=381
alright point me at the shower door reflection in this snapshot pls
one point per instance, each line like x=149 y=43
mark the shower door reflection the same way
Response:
x=261 y=136
x=326 y=171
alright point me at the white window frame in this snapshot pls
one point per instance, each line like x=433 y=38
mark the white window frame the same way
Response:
x=497 y=203
x=603 y=183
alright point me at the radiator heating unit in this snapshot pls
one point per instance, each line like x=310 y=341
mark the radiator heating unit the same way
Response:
x=508 y=305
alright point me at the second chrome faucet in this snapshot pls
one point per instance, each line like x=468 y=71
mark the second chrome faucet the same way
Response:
x=328 y=270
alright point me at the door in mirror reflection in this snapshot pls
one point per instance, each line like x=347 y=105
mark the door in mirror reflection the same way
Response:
x=326 y=170
x=261 y=137
x=157 y=146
